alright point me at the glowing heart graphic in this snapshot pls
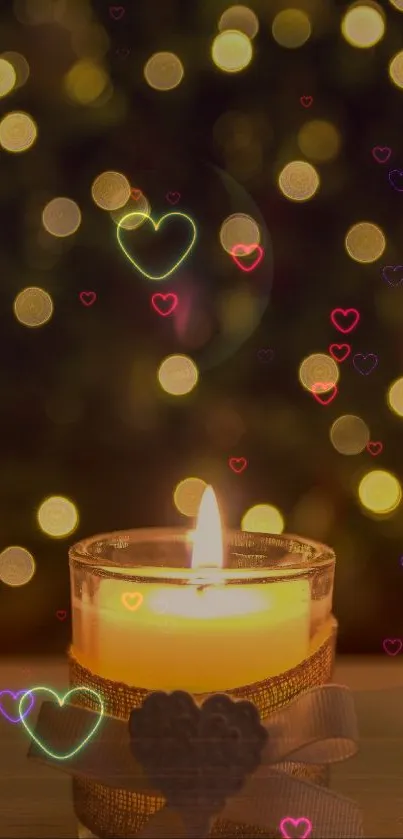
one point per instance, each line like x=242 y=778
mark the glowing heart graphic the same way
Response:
x=164 y=304
x=345 y=319
x=392 y=646
x=340 y=351
x=237 y=464
x=246 y=250
x=374 y=447
x=132 y=600
x=324 y=392
x=61 y=703
x=14 y=694
x=156 y=226
x=300 y=828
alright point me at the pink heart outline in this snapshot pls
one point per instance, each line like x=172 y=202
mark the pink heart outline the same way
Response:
x=295 y=823
x=15 y=695
x=246 y=251
x=164 y=297
x=387 y=642
x=87 y=298
x=345 y=312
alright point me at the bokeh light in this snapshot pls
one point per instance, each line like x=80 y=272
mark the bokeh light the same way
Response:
x=395 y=397
x=316 y=369
x=239 y=229
x=319 y=140
x=18 y=132
x=178 y=375
x=363 y=26
x=163 y=71
x=231 y=51
x=291 y=28
x=365 y=242
x=17 y=566
x=86 y=81
x=349 y=434
x=7 y=76
x=398 y=4
x=61 y=217
x=298 y=181
x=240 y=18
x=57 y=516
x=20 y=66
x=380 y=492
x=33 y=307
x=111 y=191
x=188 y=495
x=396 y=69
x=263 y=518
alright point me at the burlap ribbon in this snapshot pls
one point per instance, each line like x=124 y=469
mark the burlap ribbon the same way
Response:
x=318 y=727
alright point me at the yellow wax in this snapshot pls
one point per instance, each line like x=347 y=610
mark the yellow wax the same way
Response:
x=165 y=636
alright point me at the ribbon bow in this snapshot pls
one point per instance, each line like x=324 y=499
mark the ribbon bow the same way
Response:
x=216 y=760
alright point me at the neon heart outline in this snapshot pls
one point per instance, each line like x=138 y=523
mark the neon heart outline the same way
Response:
x=156 y=226
x=14 y=694
x=339 y=346
x=61 y=703
x=154 y=303
x=333 y=390
x=247 y=250
x=344 y=312
x=373 y=443
x=126 y=595
x=387 y=641
x=295 y=823
x=233 y=460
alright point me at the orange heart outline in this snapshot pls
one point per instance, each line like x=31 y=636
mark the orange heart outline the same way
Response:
x=129 y=595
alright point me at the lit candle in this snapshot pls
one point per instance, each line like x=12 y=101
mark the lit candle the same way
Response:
x=202 y=629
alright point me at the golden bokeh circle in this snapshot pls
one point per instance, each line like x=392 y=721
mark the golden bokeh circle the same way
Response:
x=240 y=18
x=349 y=434
x=398 y=4
x=363 y=26
x=262 y=518
x=395 y=397
x=365 y=242
x=319 y=140
x=86 y=81
x=163 y=71
x=178 y=375
x=33 y=307
x=8 y=76
x=239 y=229
x=188 y=495
x=380 y=492
x=61 y=217
x=57 y=516
x=110 y=190
x=298 y=181
x=396 y=69
x=316 y=369
x=231 y=51
x=291 y=28
x=17 y=566
x=20 y=65
x=18 y=132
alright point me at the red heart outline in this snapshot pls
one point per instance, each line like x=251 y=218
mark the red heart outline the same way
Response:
x=247 y=250
x=173 y=197
x=328 y=390
x=87 y=298
x=344 y=313
x=61 y=615
x=374 y=447
x=164 y=298
x=306 y=101
x=233 y=464
x=334 y=347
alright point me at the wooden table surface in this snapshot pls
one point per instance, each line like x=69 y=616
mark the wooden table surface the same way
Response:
x=35 y=800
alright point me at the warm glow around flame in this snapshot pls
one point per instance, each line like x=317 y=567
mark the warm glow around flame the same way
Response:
x=207 y=540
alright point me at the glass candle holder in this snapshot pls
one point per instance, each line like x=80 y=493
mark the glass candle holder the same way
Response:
x=259 y=628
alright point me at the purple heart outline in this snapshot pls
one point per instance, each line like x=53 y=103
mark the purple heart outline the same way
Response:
x=265 y=355
x=392 y=268
x=393 y=174
x=361 y=357
x=15 y=695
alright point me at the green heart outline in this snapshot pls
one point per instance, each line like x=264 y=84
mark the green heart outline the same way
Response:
x=156 y=226
x=61 y=703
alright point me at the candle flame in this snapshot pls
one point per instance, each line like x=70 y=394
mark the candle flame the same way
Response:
x=208 y=543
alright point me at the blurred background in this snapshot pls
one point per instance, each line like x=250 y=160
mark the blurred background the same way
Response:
x=275 y=126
